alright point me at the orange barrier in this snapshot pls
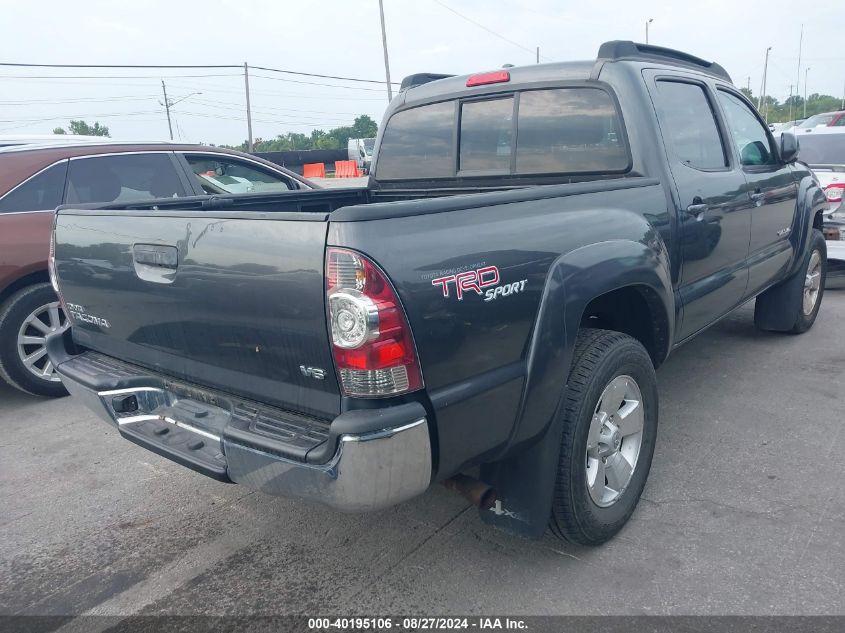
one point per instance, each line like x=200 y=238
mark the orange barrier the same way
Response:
x=346 y=169
x=314 y=170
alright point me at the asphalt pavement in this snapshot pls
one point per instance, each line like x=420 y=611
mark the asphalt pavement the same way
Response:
x=742 y=514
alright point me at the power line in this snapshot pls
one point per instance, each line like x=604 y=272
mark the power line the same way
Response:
x=292 y=72
x=64 y=77
x=313 y=83
x=112 y=76
x=79 y=100
x=489 y=30
x=185 y=66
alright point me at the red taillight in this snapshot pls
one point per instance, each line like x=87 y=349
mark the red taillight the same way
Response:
x=495 y=77
x=834 y=192
x=373 y=348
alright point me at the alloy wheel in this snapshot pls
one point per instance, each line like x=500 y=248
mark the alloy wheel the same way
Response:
x=32 y=342
x=614 y=440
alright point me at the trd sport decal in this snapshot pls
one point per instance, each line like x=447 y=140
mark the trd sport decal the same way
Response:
x=483 y=281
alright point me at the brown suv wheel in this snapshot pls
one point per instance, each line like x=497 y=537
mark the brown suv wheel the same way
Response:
x=26 y=318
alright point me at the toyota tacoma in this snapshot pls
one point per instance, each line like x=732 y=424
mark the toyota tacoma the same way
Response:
x=488 y=313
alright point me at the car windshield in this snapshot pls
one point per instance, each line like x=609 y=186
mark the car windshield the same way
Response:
x=822 y=149
x=818 y=120
x=369 y=145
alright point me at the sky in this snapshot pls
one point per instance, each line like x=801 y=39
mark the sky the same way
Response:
x=342 y=38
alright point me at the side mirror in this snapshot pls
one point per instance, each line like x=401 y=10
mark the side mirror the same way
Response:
x=788 y=147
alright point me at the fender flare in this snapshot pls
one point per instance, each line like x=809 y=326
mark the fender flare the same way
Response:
x=525 y=478
x=811 y=201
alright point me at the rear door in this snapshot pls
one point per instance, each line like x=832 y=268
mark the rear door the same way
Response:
x=772 y=187
x=715 y=210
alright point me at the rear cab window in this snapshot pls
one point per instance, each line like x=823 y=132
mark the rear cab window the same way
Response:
x=566 y=131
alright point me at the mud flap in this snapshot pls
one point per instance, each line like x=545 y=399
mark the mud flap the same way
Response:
x=524 y=485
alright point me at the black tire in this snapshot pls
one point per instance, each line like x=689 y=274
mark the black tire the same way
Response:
x=13 y=313
x=600 y=356
x=781 y=307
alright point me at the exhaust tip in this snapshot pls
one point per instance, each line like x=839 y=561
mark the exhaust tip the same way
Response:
x=475 y=491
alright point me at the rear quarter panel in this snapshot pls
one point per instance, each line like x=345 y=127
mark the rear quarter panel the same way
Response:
x=24 y=245
x=475 y=353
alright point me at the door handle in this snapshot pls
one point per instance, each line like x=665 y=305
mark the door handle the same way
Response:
x=155 y=263
x=156 y=255
x=698 y=210
x=758 y=196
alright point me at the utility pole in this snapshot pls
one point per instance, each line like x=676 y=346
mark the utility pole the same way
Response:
x=248 y=109
x=384 y=45
x=538 y=54
x=842 y=107
x=790 y=102
x=749 y=84
x=798 y=72
x=167 y=108
x=649 y=21
x=805 y=91
x=762 y=101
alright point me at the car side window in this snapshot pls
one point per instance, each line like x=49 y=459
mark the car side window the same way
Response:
x=749 y=134
x=221 y=174
x=689 y=123
x=840 y=122
x=40 y=193
x=123 y=178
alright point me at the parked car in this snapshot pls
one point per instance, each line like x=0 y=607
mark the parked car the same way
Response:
x=784 y=127
x=823 y=149
x=361 y=151
x=34 y=179
x=825 y=119
x=352 y=347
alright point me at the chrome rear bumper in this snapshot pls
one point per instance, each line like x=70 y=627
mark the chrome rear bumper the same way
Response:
x=368 y=460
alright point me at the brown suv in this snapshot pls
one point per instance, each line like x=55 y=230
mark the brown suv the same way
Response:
x=34 y=180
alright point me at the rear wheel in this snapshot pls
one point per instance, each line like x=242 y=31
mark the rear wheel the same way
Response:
x=25 y=320
x=609 y=431
x=793 y=305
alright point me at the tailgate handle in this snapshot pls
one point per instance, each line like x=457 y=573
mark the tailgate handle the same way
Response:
x=155 y=255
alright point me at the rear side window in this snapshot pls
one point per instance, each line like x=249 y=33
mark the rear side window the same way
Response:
x=569 y=130
x=418 y=143
x=689 y=125
x=39 y=193
x=123 y=178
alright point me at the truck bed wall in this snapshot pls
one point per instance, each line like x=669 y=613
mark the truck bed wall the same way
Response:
x=486 y=373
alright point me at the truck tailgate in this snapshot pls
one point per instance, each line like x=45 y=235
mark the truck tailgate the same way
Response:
x=235 y=303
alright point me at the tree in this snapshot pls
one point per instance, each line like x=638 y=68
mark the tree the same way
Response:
x=84 y=129
x=337 y=138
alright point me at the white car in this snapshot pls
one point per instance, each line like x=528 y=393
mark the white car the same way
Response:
x=823 y=150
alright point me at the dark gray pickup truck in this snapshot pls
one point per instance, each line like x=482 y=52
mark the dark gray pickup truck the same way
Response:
x=488 y=313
